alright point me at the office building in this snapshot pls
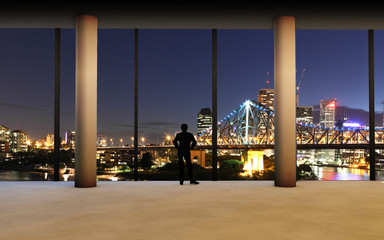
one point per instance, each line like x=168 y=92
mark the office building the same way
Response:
x=204 y=120
x=70 y=139
x=327 y=113
x=266 y=97
x=304 y=114
x=18 y=141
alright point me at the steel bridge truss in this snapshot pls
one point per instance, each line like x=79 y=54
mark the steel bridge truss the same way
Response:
x=253 y=124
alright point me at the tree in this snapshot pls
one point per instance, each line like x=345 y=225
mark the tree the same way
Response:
x=146 y=161
x=234 y=165
x=304 y=171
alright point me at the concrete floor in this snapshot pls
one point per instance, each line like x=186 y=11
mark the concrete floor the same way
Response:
x=212 y=210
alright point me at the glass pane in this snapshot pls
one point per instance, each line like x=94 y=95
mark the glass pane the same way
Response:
x=379 y=102
x=115 y=103
x=26 y=103
x=245 y=104
x=174 y=84
x=334 y=88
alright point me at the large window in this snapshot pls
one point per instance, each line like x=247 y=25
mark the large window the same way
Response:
x=245 y=73
x=335 y=86
x=26 y=102
x=175 y=87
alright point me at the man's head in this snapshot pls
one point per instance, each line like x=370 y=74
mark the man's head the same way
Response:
x=184 y=127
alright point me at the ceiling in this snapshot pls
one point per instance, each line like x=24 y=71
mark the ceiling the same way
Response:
x=194 y=16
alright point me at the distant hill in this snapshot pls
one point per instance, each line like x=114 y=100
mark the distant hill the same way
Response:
x=356 y=115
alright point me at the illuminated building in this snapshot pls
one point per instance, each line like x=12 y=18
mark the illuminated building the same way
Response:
x=204 y=120
x=327 y=120
x=351 y=156
x=70 y=139
x=266 y=97
x=5 y=133
x=327 y=113
x=18 y=141
x=253 y=161
x=4 y=146
x=304 y=114
x=49 y=141
x=5 y=137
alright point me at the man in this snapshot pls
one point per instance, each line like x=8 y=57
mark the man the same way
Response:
x=185 y=142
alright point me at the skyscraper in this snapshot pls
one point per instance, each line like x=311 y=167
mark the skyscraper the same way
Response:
x=304 y=114
x=327 y=113
x=18 y=141
x=70 y=139
x=266 y=97
x=204 y=120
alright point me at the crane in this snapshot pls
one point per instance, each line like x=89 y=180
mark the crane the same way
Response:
x=298 y=87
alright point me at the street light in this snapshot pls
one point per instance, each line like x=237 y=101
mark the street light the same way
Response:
x=28 y=144
x=142 y=141
x=168 y=139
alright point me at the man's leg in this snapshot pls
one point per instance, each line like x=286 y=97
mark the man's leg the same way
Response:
x=189 y=167
x=181 y=168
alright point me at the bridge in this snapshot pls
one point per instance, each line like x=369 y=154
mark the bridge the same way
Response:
x=252 y=126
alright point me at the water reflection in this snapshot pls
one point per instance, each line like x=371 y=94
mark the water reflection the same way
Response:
x=337 y=173
x=10 y=175
x=323 y=173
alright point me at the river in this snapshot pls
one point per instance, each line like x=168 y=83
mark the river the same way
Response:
x=343 y=173
x=11 y=175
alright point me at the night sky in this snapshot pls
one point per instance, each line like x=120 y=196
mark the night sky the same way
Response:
x=175 y=76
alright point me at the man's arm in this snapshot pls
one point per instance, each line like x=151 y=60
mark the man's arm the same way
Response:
x=175 y=142
x=193 y=142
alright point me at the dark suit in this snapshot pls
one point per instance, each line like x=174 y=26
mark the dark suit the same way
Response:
x=185 y=142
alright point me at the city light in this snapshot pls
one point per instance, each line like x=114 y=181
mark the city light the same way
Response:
x=351 y=124
x=251 y=124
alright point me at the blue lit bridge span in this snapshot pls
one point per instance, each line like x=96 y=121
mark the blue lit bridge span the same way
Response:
x=252 y=126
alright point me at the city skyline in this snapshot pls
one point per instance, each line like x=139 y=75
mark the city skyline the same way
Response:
x=175 y=75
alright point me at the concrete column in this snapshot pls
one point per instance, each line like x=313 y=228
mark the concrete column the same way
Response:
x=86 y=101
x=285 y=101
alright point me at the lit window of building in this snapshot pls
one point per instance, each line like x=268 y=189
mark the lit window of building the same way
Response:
x=70 y=139
x=204 y=120
x=304 y=114
x=327 y=113
x=18 y=141
x=266 y=97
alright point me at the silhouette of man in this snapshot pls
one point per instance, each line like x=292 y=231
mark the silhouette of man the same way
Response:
x=185 y=142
